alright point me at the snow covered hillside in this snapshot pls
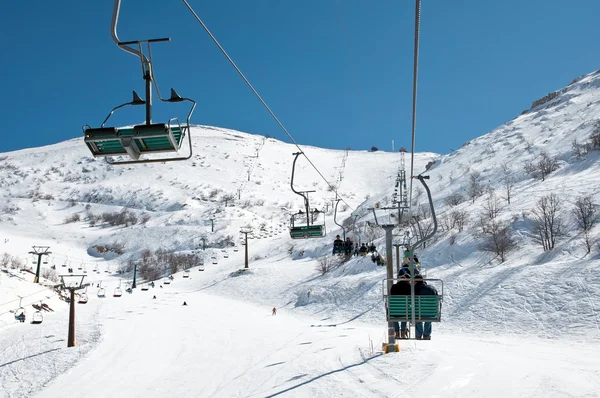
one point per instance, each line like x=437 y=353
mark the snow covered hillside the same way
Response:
x=59 y=196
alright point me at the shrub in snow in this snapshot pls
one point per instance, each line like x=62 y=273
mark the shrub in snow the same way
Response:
x=73 y=218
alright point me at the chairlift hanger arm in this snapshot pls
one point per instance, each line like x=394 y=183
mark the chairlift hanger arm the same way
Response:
x=335 y=218
x=125 y=43
x=115 y=36
x=426 y=238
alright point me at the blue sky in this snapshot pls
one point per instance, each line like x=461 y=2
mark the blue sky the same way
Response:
x=337 y=73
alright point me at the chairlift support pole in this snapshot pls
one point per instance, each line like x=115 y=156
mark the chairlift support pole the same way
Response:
x=39 y=251
x=133 y=284
x=72 y=289
x=246 y=232
x=397 y=246
x=390 y=276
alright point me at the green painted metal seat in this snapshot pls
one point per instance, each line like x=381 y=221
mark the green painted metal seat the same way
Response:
x=307 y=231
x=134 y=141
x=427 y=308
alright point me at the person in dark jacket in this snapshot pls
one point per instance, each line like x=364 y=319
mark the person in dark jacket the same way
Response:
x=348 y=247
x=423 y=289
x=401 y=288
x=363 y=249
x=338 y=245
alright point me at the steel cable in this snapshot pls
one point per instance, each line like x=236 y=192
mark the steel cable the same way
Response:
x=333 y=188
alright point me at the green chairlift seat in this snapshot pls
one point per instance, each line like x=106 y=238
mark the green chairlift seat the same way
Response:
x=134 y=141
x=427 y=308
x=307 y=231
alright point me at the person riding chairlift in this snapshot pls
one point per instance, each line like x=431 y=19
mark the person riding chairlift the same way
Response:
x=338 y=245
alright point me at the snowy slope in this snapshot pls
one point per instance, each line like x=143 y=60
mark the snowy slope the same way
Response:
x=329 y=327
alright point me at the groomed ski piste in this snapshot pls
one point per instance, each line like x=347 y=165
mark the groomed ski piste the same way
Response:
x=527 y=327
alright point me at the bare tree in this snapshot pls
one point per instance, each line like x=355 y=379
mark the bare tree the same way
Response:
x=460 y=218
x=585 y=212
x=498 y=239
x=475 y=188
x=491 y=206
x=16 y=263
x=445 y=222
x=546 y=165
x=5 y=260
x=453 y=199
x=49 y=274
x=227 y=199
x=578 y=149
x=595 y=137
x=421 y=222
x=326 y=264
x=548 y=223
x=372 y=232
x=509 y=184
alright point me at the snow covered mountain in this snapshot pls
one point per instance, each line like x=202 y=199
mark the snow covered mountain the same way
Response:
x=57 y=195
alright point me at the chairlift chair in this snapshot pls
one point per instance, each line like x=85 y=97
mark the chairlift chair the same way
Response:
x=37 y=318
x=118 y=292
x=308 y=229
x=214 y=260
x=186 y=273
x=20 y=314
x=167 y=281
x=145 y=287
x=83 y=299
x=143 y=139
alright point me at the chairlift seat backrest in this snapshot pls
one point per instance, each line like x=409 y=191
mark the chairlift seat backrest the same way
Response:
x=427 y=308
x=152 y=138
x=307 y=231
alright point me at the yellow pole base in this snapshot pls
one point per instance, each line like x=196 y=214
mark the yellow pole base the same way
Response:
x=387 y=348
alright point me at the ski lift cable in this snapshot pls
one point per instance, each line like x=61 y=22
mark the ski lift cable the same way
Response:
x=334 y=189
x=414 y=96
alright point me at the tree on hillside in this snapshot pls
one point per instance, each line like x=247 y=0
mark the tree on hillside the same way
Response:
x=491 y=206
x=459 y=218
x=498 y=239
x=595 y=137
x=585 y=212
x=454 y=199
x=546 y=165
x=421 y=222
x=547 y=220
x=508 y=184
x=5 y=260
x=372 y=232
x=475 y=188
x=228 y=198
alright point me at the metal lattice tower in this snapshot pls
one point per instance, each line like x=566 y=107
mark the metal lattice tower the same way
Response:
x=400 y=196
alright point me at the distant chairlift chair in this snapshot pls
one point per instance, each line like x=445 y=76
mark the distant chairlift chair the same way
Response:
x=147 y=138
x=309 y=229
x=37 y=318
